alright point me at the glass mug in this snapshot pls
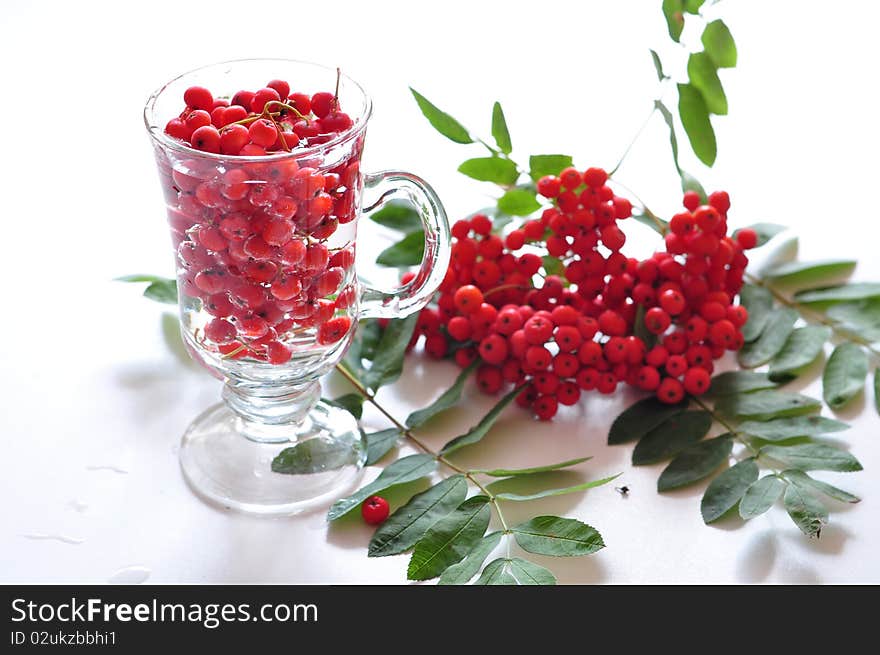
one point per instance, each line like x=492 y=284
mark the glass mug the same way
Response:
x=268 y=295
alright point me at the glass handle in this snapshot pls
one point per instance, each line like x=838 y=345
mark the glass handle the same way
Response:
x=413 y=296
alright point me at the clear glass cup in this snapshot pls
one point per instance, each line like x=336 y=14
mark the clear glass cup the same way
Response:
x=268 y=293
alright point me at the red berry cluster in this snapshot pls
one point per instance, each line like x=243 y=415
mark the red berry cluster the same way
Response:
x=266 y=249
x=253 y=123
x=576 y=331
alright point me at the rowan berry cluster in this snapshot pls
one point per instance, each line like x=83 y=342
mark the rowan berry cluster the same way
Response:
x=560 y=335
x=258 y=271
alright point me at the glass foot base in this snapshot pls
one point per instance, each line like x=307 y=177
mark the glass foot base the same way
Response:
x=228 y=461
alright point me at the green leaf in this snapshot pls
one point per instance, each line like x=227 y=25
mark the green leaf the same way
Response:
x=813 y=457
x=490 y=169
x=505 y=473
x=463 y=571
x=407 y=525
x=862 y=317
x=477 y=432
x=499 y=129
x=558 y=537
x=442 y=122
x=759 y=303
x=695 y=118
x=790 y=428
x=315 y=455
x=142 y=277
x=845 y=373
x=670 y=123
x=805 y=510
x=766 y=405
x=541 y=165
x=388 y=357
x=658 y=66
x=725 y=491
x=519 y=202
x=695 y=463
x=673 y=11
x=810 y=272
x=780 y=324
x=808 y=484
x=671 y=437
x=765 y=231
x=719 y=44
x=164 y=292
x=761 y=496
x=406 y=252
x=398 y=216
x=840 y=293
x=403 y=470
x=731 y=382
x=515 y=571
x=803 y=347
x=555 y=492
x=353 y=403
x=450 y=539
x=363 y=347
x=657 y=224
x=447 y=399
x=553 y=265
x=380 y=443
x=693 y=6
x=704 y=76
x=640 y=418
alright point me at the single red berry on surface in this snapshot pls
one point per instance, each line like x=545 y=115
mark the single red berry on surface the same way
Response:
x=691 y=200
x=670 y=391
x=747 y=238
x=375 y=510
x=697 y=381
x=198 y=97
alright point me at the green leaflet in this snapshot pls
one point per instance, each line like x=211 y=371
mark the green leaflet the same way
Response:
x=658 y=66
x=841 y=293
x=363 y=347
x=761 y=496
x=703 y=75
x=490 y=169
x=673 y=11
x=809 y=484
x=759 y=303
x=499 y=129
x=482 y=428
x=861 y=316
x=695 y=118
x=813 y=457
x=463 y=571
x=731 y=382
x=541 y=165
x=515 y=571
x=656 y=224
x=353 y=403
x=380 y=443
x=695 y=463
x=693 y=6
x=811 y=272
x=403 y=470
x=788 y=428
x=556 y=536
x=780 y=324
x=314 y=456
x=719 y=44
x=640 y=418
x=805 y=510
x=450 y=539
x=552 y=265
x=159 y=289
x=407 y=525
x=725 y=491
x=766 y=405
x=845 y=373
x=397 y=216
x=387 y=359
x=555 y=492
x=504 y=473
x=671 y=437
x=447 y=399
x=519 y=202
x=803 y=347
x=406 y=252
x=442 y=122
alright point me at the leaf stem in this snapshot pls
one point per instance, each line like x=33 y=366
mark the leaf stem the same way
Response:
x=661 y=226
x=633 y=142
x=371 y=398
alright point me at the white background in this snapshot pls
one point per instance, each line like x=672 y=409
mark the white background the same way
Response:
x=89 y=380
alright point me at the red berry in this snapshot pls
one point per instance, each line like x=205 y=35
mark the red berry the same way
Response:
x=494 y=349
x=278 y=353
x=672 y=302
x=468 y=299
x=657 y=320
x=481 y=224
x=545 y=407
x=489 y=379
x=322 y=103
x=549 y=186
x=206 y=138
x=333 y=330
x=747 y=238
x=198 y=97
x=282 y=87
x=676 y=365
x=436 y=346
x=696 y=381
x=611 y=323
x=220 y=331
x=538 y=358
x=691 y=200
x=261 y=97
x=595 y=177
x=571 y=178
x=459 y=328
x=720 y=200
x=670 y=391
x=538 y=330
x=375 y=510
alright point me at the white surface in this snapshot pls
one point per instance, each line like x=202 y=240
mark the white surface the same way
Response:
x=88 y=379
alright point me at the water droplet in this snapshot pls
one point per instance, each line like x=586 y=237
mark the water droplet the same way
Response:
x=55 y=537
x=106 y=467
x=130 y=575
